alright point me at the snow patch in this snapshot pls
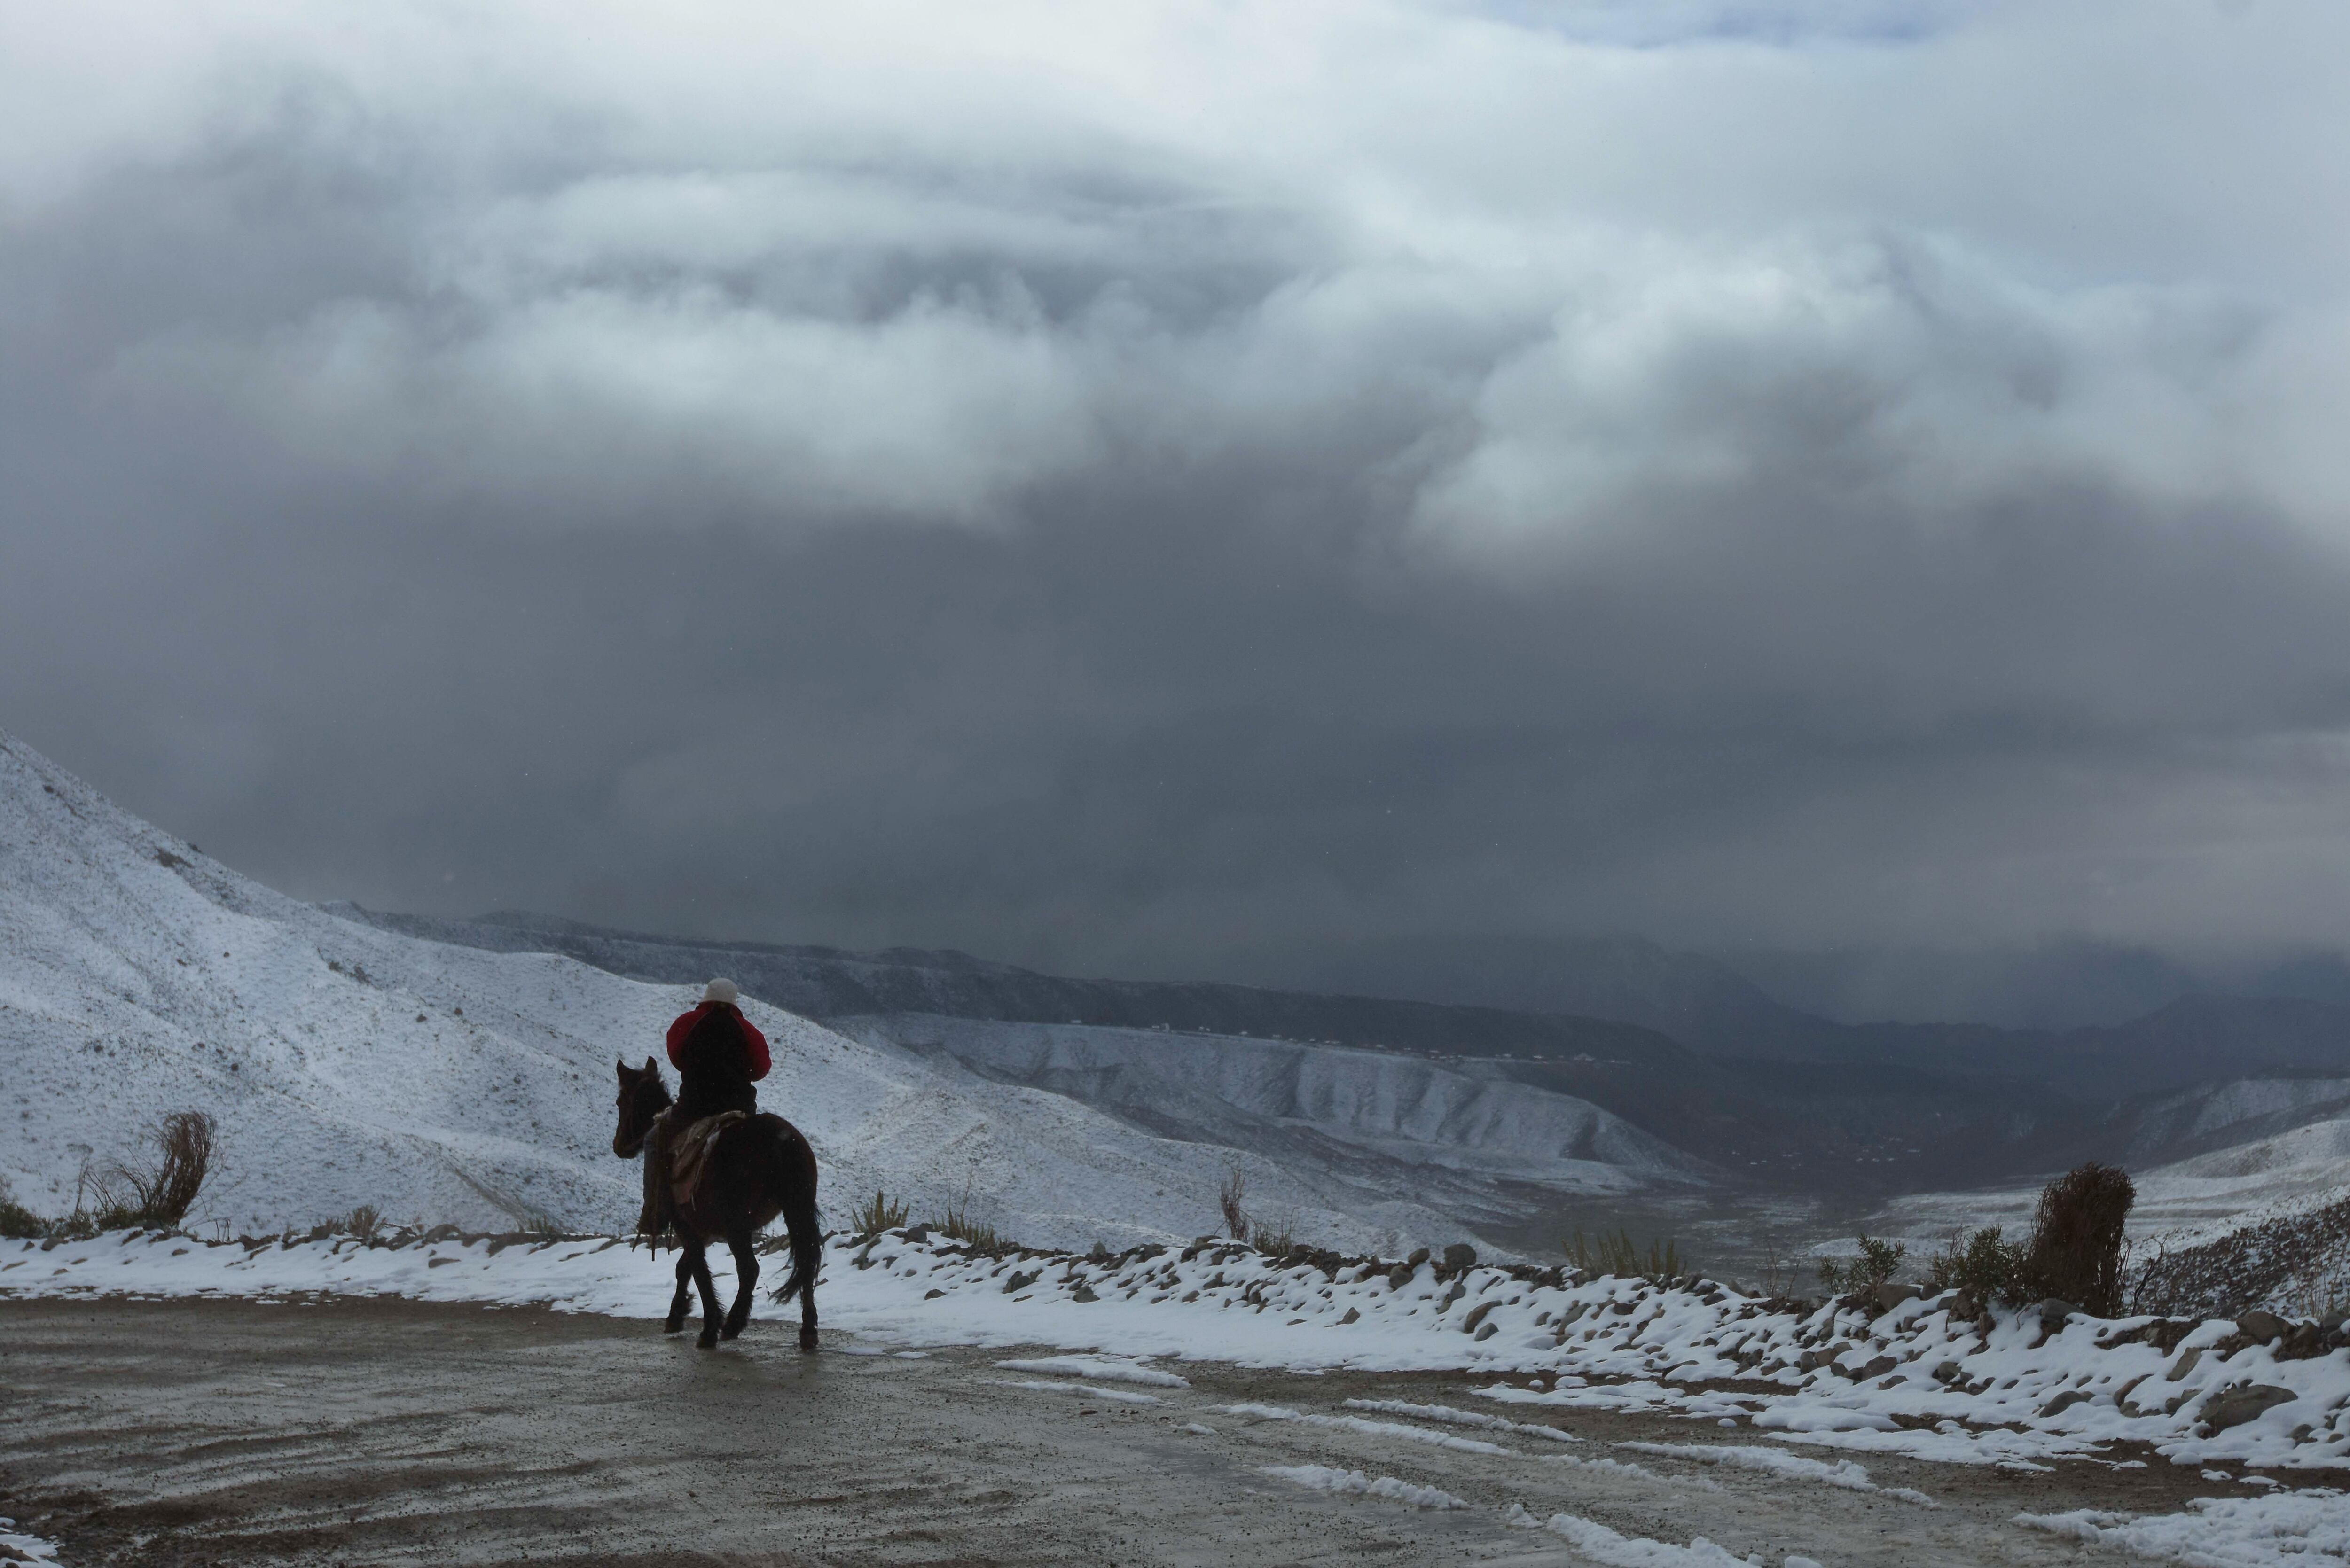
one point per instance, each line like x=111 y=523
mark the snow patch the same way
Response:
x=1108 y=1369
x=1354 y=1483
x=2282 y=1530
x=1603 y=1545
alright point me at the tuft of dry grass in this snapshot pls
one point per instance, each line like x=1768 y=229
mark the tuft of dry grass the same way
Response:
x=16 y=1221
x=877 y=1215
x=958 y=1226
x=1619 y=1256
x=364 y=1221
x=1229 y=1197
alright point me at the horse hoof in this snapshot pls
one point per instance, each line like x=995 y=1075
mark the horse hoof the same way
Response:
x=732 y=1331
x=807 y=1340
x=672 y=1328
x=706 y=1341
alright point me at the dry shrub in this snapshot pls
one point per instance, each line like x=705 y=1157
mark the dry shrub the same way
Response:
x=364 y=1221
x=129 y=1197
x=16 y=1221
x=2076 y=1239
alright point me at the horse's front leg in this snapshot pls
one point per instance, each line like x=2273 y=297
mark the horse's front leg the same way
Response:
x=746 y=1277
x=708 y=1339
x=677 y=1303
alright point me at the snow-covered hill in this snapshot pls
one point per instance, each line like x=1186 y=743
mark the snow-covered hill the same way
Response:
x=1463 y=1121
x=350 y=1064
x=2188 y=1201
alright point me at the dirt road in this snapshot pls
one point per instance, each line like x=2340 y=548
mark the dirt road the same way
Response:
x=388 y=1432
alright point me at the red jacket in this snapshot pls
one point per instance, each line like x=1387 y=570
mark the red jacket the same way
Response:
x=754 y=1044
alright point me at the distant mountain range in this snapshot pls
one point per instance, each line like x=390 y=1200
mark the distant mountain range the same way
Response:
x=1679 y=1047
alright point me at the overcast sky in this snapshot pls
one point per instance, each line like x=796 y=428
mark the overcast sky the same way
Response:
x=1158 y=487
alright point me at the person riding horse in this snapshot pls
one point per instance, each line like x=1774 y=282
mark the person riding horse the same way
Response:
x=719 y=1054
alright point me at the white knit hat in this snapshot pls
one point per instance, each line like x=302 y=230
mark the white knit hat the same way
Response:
x=719 y=990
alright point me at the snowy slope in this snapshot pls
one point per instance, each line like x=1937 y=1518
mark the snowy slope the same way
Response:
x=2188 y=1201
x=1284 y=1099
x=349 y=1064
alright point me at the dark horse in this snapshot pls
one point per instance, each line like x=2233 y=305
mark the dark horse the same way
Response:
x=760 y=1168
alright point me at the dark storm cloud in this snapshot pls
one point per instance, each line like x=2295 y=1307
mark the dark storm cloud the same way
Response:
x=1168 y=489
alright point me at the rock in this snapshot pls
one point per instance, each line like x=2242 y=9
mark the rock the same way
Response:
x=1400 y=1276
x=1489 y=1331
x=1083 y=1293
x=1460 y=1255
x=1879 y=1366
x=1476 y=1315
x=2234 y=1407
x=1813 y=1360
x=2184 y=1365
x=2054 y=1311
x=1949 y=1372
x=1890 y=1296
x=1019 y=1282
x=2065 y=1401
x=1965 y=1304
x=1418 y=1256
x=1353 y=1316
x=917 y=1234
x=2262 y=1326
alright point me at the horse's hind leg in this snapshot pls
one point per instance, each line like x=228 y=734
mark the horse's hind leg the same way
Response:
x=677 y=1303
x=708 y=1339
x=746 y=1279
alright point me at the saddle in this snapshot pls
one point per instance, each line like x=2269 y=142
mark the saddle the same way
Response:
x=688 y=1155
x=680 y=1185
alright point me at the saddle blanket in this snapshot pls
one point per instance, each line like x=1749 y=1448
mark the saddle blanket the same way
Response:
x=688 y=1155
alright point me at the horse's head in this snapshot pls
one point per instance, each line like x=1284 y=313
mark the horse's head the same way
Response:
x=643 y=1096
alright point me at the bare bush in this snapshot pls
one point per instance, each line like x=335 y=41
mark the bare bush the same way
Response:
x=363 y=1221
x=2077 y=1238
x=128 y=1197
x=1228 y=1198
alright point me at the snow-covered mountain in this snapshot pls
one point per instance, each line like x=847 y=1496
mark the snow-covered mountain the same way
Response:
x=346 y=1064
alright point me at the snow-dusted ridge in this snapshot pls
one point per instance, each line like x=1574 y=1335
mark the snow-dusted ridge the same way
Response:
x=1915 y=1381
x=349 y=1064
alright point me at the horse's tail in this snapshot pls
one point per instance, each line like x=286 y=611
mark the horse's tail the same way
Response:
x=800 y=1219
